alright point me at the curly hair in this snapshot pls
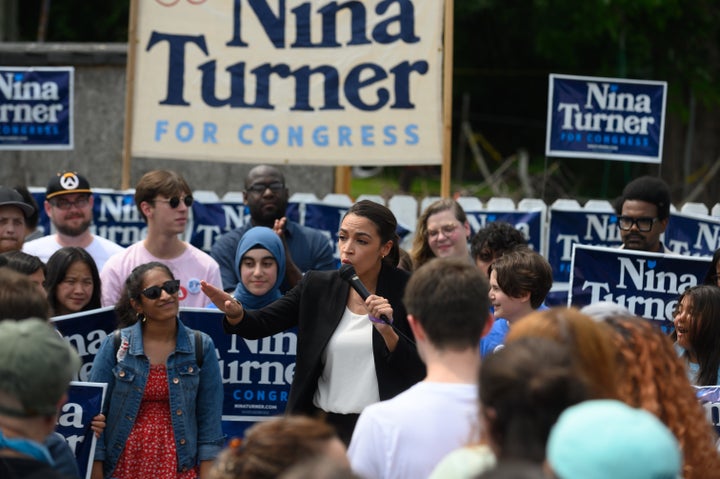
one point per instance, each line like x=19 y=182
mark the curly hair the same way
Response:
x=421 y=252
x=271 y=447
x=651 y=376
x=495 y=239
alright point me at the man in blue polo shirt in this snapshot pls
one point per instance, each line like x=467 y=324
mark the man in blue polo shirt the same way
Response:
x=267 y=198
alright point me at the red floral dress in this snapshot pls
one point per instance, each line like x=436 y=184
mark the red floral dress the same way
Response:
x=150 y=448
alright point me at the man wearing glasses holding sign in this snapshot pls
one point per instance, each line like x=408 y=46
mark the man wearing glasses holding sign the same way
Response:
x=69 y=205
x=164 y=200
x=643 y=212
x=267 y=198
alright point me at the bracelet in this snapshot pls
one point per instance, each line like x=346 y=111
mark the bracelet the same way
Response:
x=378 y=320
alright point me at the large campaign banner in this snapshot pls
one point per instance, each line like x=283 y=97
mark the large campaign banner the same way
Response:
x=256 y=374
x=86 y=331
x=288 y=81
x=84 y=402
x=648 y=284
x=605 y=118
x=36 y=108
x=530 y=224
x=689 y=234
x=569 y=227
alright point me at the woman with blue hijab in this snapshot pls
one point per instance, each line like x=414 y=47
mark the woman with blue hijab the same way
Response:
x=260 y=260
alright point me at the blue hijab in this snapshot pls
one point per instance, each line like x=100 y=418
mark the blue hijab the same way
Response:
x=265 y=238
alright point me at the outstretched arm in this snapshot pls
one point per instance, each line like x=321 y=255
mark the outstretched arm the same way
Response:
x=225 y=302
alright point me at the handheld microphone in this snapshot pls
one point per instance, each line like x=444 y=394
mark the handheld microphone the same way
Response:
x=347 y=272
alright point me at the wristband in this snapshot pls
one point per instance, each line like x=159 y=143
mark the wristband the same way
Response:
x=378 y=320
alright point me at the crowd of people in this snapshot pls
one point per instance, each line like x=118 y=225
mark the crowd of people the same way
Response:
x=442 y=361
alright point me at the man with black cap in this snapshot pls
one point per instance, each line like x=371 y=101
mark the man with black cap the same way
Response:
x=36 y=366
x=13 y=214
x=69 y=205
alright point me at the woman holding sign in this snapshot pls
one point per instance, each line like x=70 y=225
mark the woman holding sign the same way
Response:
x=353 y=349
x=164 y=398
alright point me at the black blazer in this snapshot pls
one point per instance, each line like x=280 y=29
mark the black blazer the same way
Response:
x=316 y=306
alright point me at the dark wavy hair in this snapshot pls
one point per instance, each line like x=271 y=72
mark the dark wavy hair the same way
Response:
x=704 y=334
x=523 y=388
x=132 y=289
x=385 y=222
x=57 y=267
x=711 y=275
x=493 y=240
x=23 y=263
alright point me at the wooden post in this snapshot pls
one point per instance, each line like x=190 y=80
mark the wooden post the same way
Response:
x=343 y=175
x=447 y=99
x=129 y=93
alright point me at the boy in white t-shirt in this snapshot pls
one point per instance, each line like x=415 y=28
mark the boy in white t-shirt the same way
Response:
x=405 y=437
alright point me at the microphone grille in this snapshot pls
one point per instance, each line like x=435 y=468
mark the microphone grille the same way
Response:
x=347 y=271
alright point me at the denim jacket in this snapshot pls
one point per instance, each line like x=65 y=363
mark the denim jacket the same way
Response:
x=196 y=396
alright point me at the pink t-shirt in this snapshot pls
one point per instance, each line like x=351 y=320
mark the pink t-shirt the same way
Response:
x=190 y=267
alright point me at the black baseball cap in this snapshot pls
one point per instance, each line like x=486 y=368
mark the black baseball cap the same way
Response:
x=66 y=183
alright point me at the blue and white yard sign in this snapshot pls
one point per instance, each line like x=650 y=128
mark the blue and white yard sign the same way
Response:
x=605 y=118
x=648 y=284
x=36 y=108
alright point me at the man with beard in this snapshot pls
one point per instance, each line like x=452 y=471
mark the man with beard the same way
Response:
x=14 y=213
x=69 y=205
x=267 y=197
x=643 y=212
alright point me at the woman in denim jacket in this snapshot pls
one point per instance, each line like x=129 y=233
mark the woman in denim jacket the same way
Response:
x=163 y=410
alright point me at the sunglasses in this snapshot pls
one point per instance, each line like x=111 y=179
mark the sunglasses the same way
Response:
x=174 y=202
x=154 y=292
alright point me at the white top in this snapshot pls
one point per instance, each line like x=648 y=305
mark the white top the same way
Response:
x=348 y=381
x=101 y=249
x=190 y=267
x=407 y=436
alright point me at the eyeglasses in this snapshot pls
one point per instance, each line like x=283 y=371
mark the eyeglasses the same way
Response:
x=154 y=292
x=63 y=204
x=643 y=224
x=446 y=230
x=275 y=187
x=174 y=202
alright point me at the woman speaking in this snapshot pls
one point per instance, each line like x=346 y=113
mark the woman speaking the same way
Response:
x=347 y=358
